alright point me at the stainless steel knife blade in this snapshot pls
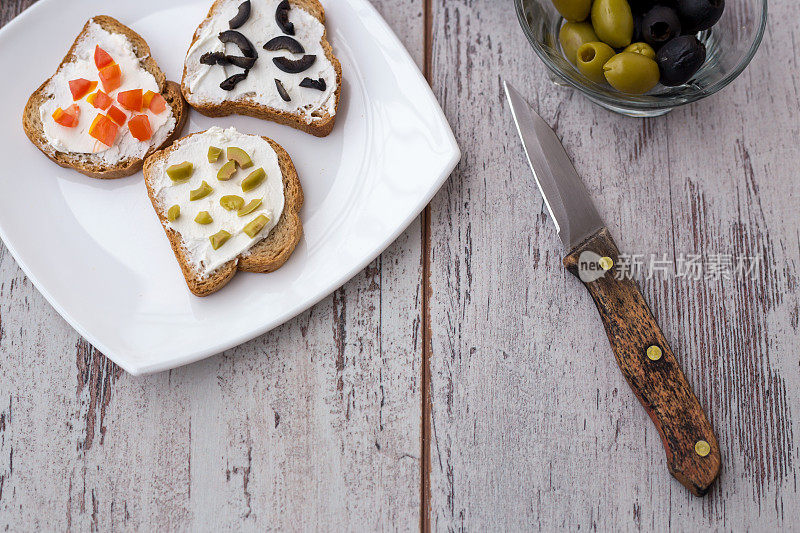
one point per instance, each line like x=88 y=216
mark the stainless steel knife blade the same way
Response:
x=564 y=193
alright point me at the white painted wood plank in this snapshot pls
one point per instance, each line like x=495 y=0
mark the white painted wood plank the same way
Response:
x=315 y=425
x=533 y=426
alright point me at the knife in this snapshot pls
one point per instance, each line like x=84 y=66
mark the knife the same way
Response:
x=641 y=350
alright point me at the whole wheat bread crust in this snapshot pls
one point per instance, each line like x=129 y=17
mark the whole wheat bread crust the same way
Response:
x=32 y=123
x=268 y=255
x=319 y=128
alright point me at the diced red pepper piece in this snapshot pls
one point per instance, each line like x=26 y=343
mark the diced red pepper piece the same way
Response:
x=100 y=100
x=81 y=87
x=101 y=58
x=111 y=76
x=140 y=127
x=131 y=100
x=117 y=115
x=104 y=130
x=157 y=104
x=147 y=97
x=67 y=117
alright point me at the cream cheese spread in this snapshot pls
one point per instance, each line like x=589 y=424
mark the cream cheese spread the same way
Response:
x=77 y=139
x=195 y=236
x=204 y=80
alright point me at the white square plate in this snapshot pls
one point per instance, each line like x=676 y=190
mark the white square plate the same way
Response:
x=95 y=248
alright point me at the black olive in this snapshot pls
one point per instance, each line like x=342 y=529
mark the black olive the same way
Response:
x=680 y=59
x=284 y=42
x=699 y=15
x=637 y=28
x=282 y=18
x=243 y=62
x=230 y=83
x=294 y=66
x=234 y=37
x=242 y=16
x=282 y=91
x=319 y=84
x=659 y=25
x=641 y=6
x=213 y=58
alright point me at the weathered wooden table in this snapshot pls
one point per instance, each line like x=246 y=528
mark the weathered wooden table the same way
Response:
x=463 y=380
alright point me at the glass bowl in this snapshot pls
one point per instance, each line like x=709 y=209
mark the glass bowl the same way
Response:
x=730 y=46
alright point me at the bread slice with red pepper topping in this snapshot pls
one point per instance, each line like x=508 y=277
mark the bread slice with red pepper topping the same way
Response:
x=92 y=164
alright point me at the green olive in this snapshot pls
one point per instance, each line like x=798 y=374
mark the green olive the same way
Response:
x=255 y=226
x=240 y=156
x=201 y=192
x=231 y=202
x=173 y=213
x=219 y=238
x=213 y=154
x=591 y=58
x=574 y=34
x=641 y=48
x=253 y=180
x=203 y=217
x=181 y=171
x=631 y=73
x=249 y=208
x=613 y=22
x=227 y=171
x=573 y=10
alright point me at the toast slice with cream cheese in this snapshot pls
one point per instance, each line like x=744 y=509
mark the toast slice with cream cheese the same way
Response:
x=268 y=59
x=107 y=107
x=227 y=201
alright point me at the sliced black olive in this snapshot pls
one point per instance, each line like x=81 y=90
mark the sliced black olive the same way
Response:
x=284 y=42
x=282 y=18
x=243 y=62
x=680 y=59
x=230 y=83
x=308 y=83
x=234 y=37
x=242 y=16
x=294 y=66
x=282 y=90
x=213 y=58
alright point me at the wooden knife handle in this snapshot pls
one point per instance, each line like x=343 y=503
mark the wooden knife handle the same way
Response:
x=650 y=367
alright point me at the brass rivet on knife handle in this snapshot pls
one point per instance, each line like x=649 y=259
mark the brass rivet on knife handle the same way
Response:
x=654 y=353
x=702 y=448
x=659 y=385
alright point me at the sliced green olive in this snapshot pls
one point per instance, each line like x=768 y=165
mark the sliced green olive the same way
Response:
x=201 y=192
x=227 y=171
x=232 y=202
x=181 y=171
x=256 y=225
x=219 y=238
x=253 y=180
x=173 y=213
x=213 y=154
x=240 y=156
x=249 y=208
x=203 y=217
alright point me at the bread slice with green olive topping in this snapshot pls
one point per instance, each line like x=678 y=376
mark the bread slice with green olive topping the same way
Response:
x=267 y=254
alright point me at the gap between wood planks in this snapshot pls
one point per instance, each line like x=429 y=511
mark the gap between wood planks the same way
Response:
x=427 y=348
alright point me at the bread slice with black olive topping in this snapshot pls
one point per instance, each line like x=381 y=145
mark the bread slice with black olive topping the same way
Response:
x=280 y=86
